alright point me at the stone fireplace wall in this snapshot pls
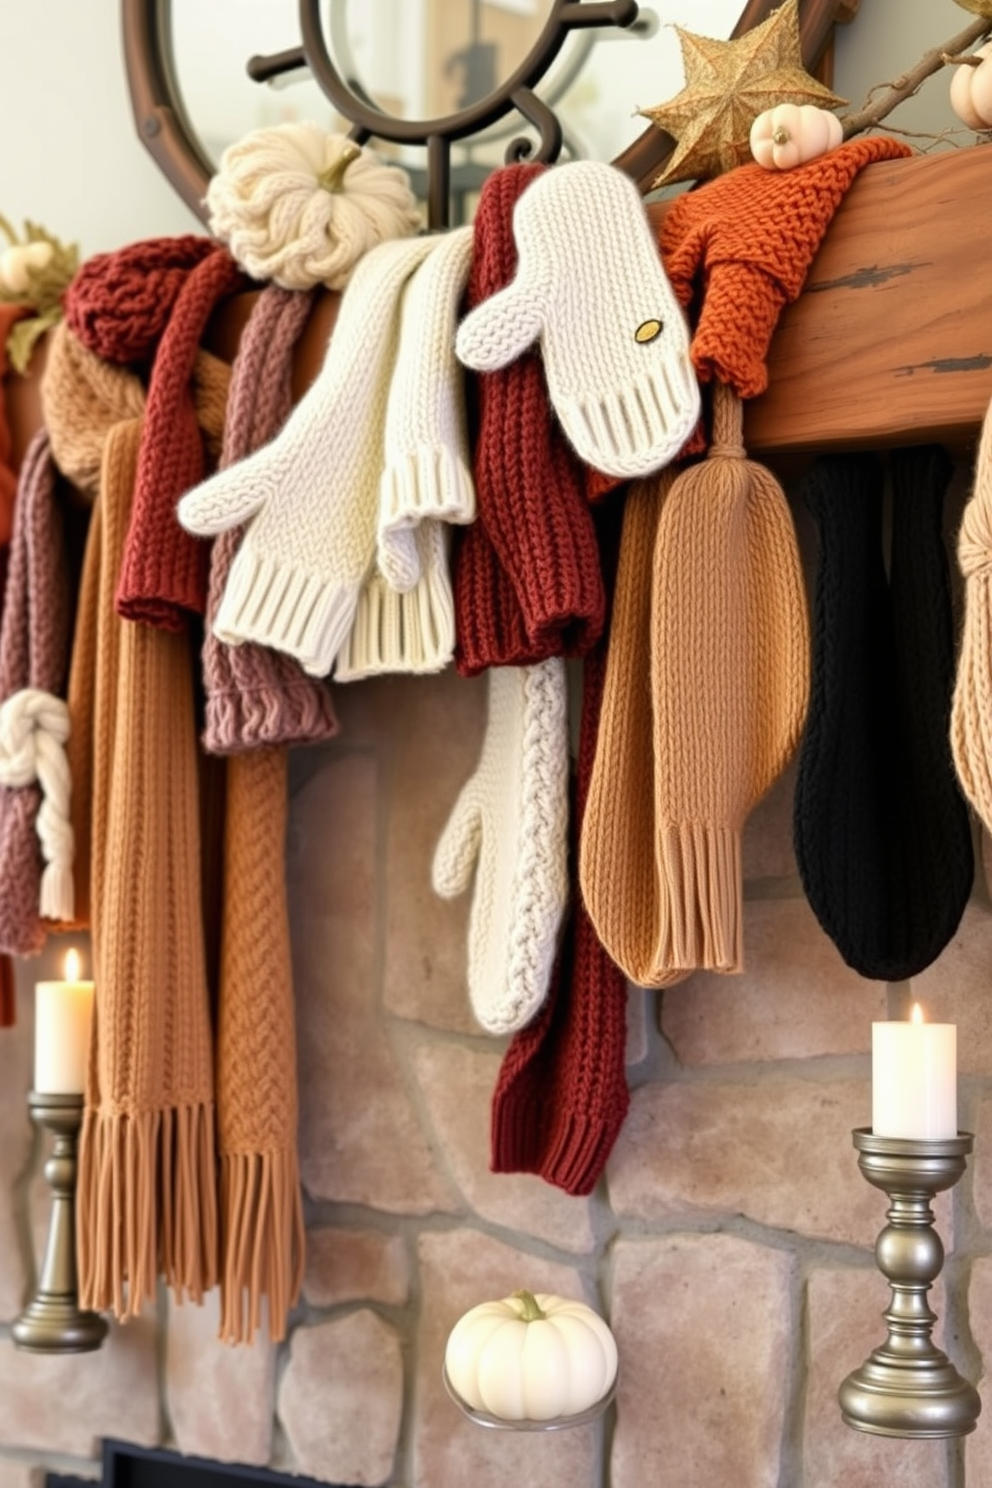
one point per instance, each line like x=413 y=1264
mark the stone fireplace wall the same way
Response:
x=730 y=1243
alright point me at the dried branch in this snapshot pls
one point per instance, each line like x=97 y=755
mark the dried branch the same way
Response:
x=905 y=86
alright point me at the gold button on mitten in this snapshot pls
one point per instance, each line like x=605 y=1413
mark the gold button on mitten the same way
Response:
x=510 y=824
x=591 y=288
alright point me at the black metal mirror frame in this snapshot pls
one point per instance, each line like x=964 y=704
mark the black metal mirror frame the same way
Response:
x=164 y=126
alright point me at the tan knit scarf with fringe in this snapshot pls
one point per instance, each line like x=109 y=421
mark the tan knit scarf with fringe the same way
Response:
x=147 y=1181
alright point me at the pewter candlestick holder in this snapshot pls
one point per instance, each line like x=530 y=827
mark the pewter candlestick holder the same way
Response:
x=52 y=1322
x=907 y=1386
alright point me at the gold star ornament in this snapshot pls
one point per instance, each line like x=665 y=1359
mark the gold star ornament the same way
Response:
x=727 y=85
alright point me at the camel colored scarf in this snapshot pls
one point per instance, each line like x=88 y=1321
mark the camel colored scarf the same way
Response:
x=147 y=1184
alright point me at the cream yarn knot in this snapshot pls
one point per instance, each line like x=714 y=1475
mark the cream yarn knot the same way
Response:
x=34 y=727
x=293 y=208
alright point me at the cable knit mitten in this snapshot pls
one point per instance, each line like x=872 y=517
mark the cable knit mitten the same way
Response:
x=309 y=497
x=510 y=824
x=590 y=286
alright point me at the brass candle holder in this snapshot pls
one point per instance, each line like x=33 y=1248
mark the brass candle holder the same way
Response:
x=52 y=1322
x=907 y=1386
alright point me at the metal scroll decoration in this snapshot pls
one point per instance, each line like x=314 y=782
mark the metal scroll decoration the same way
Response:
x=166 y=131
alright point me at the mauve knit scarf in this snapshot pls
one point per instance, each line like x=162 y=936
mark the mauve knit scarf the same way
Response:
x=34 y=656
x=8 y=488
x=256 y=697
x=147 y=1182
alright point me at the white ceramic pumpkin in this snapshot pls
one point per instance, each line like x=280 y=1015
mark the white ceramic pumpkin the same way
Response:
x=531 y=1357
x=971 y=91
x=792 y=133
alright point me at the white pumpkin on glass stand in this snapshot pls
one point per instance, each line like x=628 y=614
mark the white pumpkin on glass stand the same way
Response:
x=531 y=1362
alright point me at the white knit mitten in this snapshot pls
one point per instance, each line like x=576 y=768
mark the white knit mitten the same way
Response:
x=591 y=287
x=511 y=824
x=426 y=475
x=310 y=496
x=405 y=617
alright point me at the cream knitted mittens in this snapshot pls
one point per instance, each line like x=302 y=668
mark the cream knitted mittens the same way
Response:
x=405 y=617
x=510 y=823
x=590 y=286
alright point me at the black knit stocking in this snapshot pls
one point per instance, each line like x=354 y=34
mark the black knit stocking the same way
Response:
x=882 y=836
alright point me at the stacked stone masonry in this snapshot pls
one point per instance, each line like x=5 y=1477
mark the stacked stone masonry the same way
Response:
x=730 y=1242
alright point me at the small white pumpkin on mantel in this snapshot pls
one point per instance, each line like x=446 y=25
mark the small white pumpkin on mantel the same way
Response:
x=971 y=90
x=792 y=133
x=531 y=1357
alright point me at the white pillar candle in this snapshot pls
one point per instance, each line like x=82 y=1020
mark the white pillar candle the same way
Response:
x=914 y=1079
x=63 y=1018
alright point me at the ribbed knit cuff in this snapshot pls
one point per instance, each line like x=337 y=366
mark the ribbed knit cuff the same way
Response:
x=412 y=633
x=430 y=482
x=266 y=716
x=699 y=871
x=277 y=605
x=490 y=628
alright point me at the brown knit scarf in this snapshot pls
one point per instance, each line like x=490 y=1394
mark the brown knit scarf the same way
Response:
x=147 y=1183
x=254 y=696
x=34 y=652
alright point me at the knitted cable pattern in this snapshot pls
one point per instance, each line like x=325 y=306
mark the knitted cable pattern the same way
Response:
x=589 y=285
x=561 y=1096
x=510 y=824
x=257 y=697
x=36 y=877
x=280 y=204
x=971 y=712
x=742 y=245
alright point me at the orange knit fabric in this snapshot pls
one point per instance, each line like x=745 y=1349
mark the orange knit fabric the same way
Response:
x=147 y=1182
x=617 y=868
x=740 y=247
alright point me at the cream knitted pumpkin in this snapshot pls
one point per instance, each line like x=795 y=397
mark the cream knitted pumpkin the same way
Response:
x=300 y=207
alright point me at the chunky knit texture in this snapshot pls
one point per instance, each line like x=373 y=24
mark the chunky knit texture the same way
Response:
x=739 y=248
x=405 y=619
x=36 y=847
x=119 y=304
x=268 y=202
x=309 y=498
x=510 y=825
x=561 y=1096
x=163 y=576
x=882 y=837
x=147 y=1183
x=590 y=287
x=528 y=582
x=256 y=697
x=971 y=714
x=617 y=858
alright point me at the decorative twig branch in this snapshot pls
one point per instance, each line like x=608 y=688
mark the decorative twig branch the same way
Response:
x=907 y=84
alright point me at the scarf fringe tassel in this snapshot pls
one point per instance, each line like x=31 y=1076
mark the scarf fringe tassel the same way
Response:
x=263 y=1242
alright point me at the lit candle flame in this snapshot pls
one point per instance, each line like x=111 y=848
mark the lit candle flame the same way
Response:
x=916 y=1016
x=72 y=966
